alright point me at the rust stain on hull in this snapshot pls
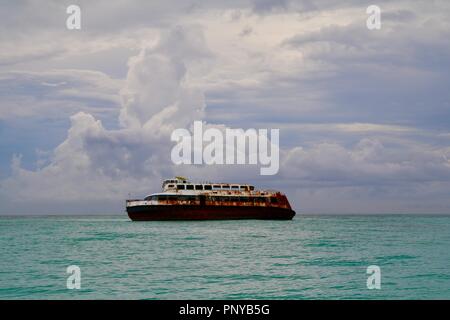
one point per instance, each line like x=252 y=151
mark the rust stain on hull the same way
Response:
x=183 y=200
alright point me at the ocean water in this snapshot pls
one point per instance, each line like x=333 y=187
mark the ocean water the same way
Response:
x=310 y=257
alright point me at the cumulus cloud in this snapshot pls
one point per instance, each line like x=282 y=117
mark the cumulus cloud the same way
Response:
x=157 y=92
x=94 y=163
x=368 y=162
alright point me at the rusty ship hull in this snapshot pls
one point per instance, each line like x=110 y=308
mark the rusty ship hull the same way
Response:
x=195 y=212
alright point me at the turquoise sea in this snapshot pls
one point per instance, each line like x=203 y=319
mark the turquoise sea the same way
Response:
x=310 y=257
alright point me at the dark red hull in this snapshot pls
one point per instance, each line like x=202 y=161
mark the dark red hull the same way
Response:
x=196 y=212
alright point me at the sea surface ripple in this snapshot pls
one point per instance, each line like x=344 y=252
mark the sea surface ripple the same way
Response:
x=310 y=257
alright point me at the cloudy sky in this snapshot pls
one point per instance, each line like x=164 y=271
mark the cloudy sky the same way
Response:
x=364 y=115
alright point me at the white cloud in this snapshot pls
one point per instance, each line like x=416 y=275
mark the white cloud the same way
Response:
x=368 y=162
x=157 y=91
x=94 y=163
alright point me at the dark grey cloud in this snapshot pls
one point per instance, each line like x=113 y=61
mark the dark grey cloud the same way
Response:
x=57 y=93
x=397 y=75
x=269 y=6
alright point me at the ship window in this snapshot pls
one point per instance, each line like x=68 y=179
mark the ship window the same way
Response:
x=252 y=188
x=180 y=186
x=216 y=186
x=208 y=187
x=273 y=200
x=189 y=187
x=171 y=186
x=234 y=187
x=148 y=198
x=198 y=187
x=172 y=198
